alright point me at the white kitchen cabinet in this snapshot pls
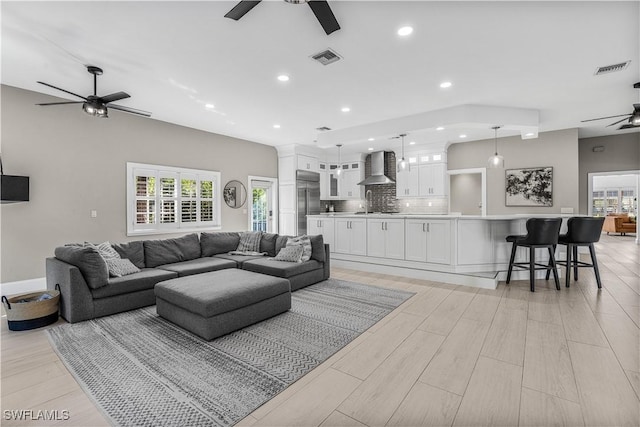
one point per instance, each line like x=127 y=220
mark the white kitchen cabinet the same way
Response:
x=323 y=169
x=432 y=180
x=352 y=174
x=351 y=236
x=333 y=181
x=324 y=226
x=385 y=238
x=408 y=182
x=307 y=163
x=428 y=241
x=287 y=224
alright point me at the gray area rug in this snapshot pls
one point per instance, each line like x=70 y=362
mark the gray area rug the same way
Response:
x=142 y=370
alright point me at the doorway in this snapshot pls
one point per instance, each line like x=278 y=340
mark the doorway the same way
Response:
x=614 y=193
x=467 y=191
x=263 y=195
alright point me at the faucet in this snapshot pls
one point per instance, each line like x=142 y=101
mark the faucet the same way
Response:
x=368 y=203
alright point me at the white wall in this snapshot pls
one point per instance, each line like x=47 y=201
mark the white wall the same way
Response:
x=558 y=149
x=77 y=163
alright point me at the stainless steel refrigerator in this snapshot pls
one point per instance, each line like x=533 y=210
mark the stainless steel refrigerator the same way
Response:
x=308 y=189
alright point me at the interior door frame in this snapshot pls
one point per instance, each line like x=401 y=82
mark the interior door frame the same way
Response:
x=483 y=185
x=590 y=176
x=274 y=200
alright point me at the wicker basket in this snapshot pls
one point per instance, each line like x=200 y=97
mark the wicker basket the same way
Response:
x=25 y=311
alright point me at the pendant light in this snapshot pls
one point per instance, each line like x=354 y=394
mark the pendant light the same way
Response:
x=403 y=165
x=496 y=161
x=339 y=171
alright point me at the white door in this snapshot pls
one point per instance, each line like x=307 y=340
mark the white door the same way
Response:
x=262 y=213
x=394 y=238
x=343 y=236
x=358 y=236
x=375 y=241
x=416 y=240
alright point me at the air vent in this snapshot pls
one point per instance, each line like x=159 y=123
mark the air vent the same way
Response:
x=326 y=57
x=612 y=68
x=323 y=129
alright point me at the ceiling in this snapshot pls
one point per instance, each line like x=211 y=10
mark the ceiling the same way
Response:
x=176 y=57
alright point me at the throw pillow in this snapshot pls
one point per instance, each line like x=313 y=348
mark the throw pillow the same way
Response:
x=249 y=241
x=133 y=251
x=88 y=260
x=303 y=241
x=290 y=254
x=105 y=250
x=119 y=267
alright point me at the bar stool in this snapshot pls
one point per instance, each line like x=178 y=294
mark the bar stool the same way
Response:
x=541 y=233
x=581 y=231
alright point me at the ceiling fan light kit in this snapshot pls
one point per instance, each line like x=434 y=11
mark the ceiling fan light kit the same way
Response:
x=95 y=105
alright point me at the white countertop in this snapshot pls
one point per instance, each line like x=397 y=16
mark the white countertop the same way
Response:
x=437 y=216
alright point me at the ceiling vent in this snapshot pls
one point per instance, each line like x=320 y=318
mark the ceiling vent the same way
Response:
x=612 y=68
x=326 y=57
x=323 y=129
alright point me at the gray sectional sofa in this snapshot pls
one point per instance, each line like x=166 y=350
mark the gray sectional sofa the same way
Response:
x=87 y=291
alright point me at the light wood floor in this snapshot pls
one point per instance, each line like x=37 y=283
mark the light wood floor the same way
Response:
x=449 y=356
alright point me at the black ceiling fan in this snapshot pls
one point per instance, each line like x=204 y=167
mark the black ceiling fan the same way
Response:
x=320 y=8
x=95 y=105
x=633 y=118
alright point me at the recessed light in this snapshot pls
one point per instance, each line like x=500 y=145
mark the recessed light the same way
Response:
x=276 y=126
x=529 y=134
x=463 y=135
x=412 y=143
x=371 y=139
x=283 y=78
x=345 y=109
x=370 y=148
x=439 y=128
x=405 y=31
x=445 y=85
x=209 y=106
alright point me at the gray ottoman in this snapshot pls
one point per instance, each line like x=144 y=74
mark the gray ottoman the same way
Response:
x=216 y=303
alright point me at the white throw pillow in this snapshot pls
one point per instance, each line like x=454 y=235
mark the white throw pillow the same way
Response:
x=249 y=241
x=119 y=267
x=290 y=254
x=303 y=241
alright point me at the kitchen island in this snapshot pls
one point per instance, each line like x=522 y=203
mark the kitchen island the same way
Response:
x=459 y=249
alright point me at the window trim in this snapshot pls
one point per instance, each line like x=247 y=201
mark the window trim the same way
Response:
x=179 y=226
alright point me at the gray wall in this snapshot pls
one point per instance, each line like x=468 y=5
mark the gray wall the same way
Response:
x=621 y=153
x=466 y=193
x=558 y=149
x=77 y=163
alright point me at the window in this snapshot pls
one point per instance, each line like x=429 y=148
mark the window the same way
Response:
x=162 y=199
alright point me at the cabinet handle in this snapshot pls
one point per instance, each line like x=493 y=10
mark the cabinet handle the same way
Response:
x=423 y=227
x=428 y=228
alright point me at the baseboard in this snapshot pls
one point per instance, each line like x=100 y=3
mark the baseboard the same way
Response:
x=23 y=286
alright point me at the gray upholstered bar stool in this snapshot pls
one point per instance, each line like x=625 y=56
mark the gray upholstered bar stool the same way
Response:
x=581 y=231
x=541 y=233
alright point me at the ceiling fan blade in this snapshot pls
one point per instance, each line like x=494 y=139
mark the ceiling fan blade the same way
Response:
x=325 y=16
x=241 y=9
x=628 y=127
x=619 y=121
x=129 y=110
x=61 y=103
x=602 y=118
x=114 y=97
x=63 y=90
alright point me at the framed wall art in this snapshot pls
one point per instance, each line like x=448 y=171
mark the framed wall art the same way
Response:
x=529 y=187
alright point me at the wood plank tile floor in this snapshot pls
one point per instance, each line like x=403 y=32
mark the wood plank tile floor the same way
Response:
x=450 y=355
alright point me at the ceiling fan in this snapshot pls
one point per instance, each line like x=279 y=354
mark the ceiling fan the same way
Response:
x=95 y=105
x=633 y=118
x=320 y=8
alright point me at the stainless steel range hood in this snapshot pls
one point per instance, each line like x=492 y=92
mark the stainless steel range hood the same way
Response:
x=378 y=171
